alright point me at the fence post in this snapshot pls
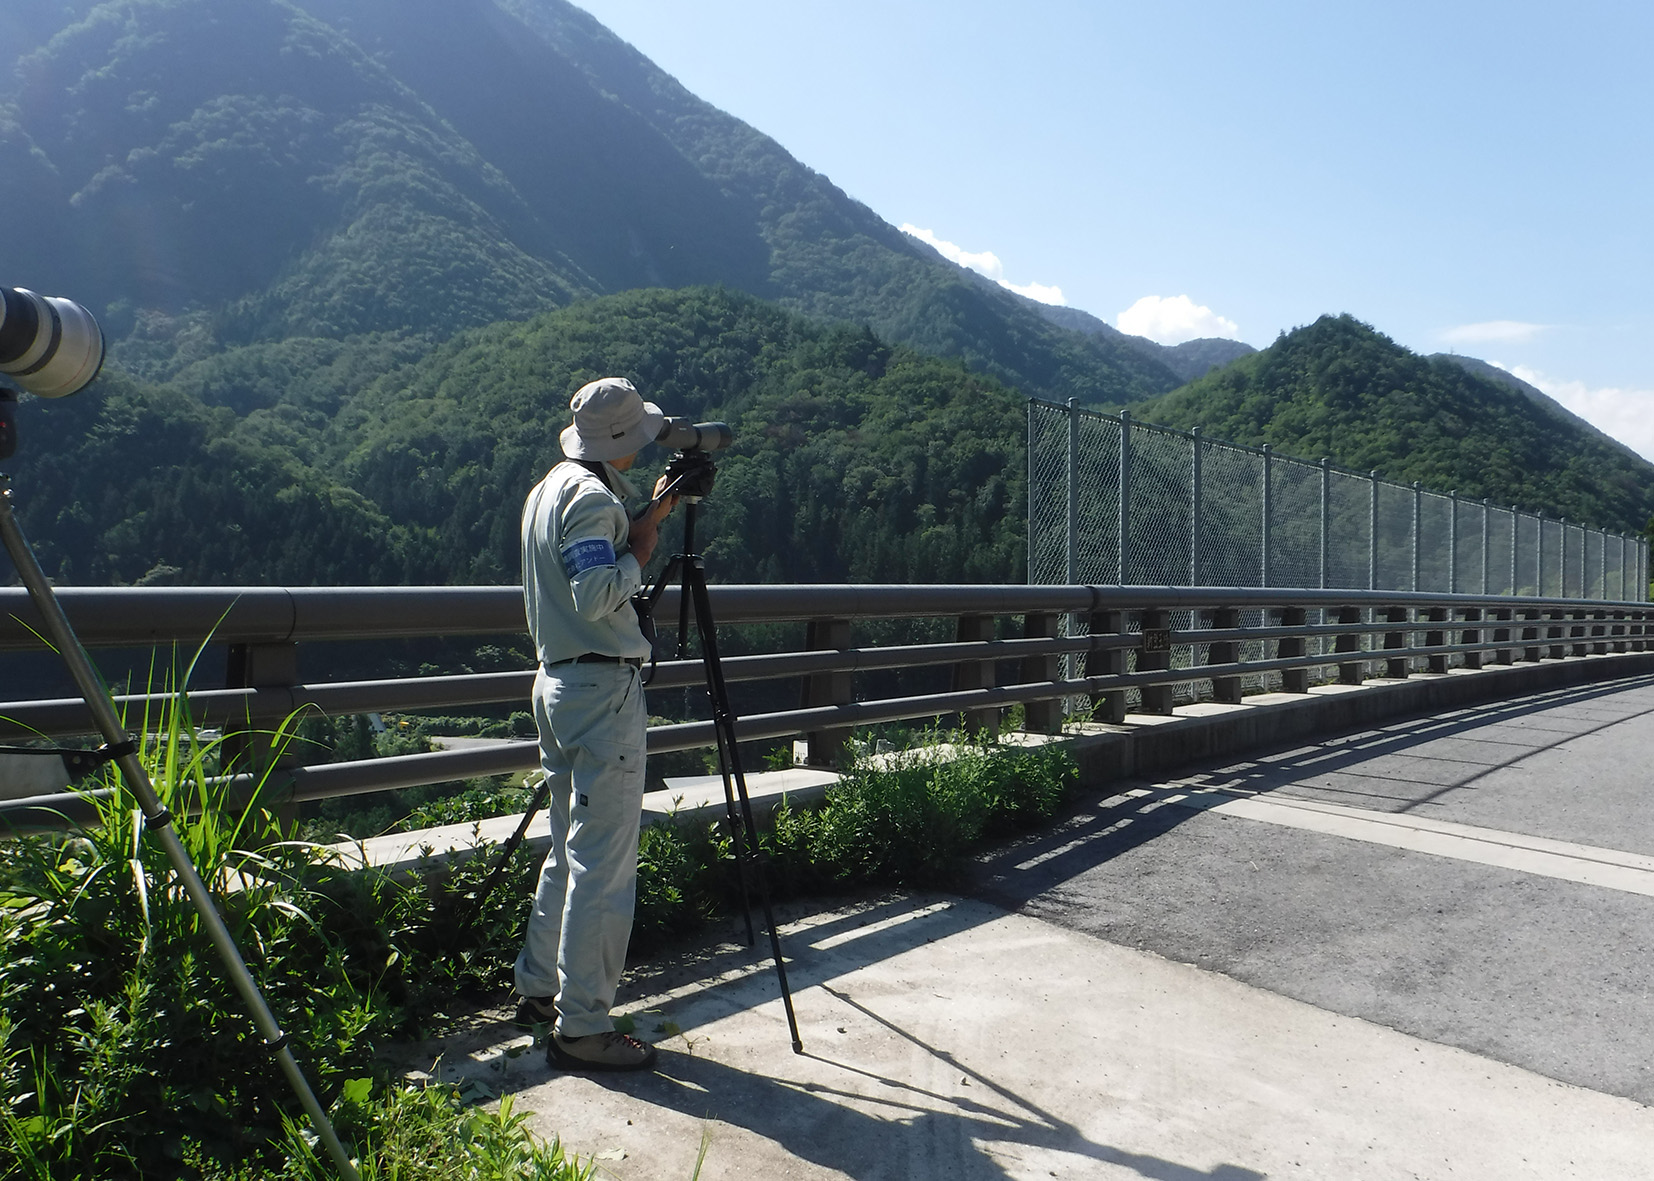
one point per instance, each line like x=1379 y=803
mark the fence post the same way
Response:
x=1515 y=534
x=1487 y=510
x=1602 y=566
x=1326 y=508
x=823 y=748
x=1372 y=531
x=1562 y=560
x=1196 y=475
x=1453 y=542
x=1539 y=554
x=1041 y=717
x=1125 y=494
x=1418 y=507
x=1268 y=508
x=1073 y=574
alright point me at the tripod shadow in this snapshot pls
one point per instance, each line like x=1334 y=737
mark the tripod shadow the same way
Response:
x=898 y=1129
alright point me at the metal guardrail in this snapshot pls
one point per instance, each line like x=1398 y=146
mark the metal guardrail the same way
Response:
x=1131 y=646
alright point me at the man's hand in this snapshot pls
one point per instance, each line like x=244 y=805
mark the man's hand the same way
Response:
x=644 y=531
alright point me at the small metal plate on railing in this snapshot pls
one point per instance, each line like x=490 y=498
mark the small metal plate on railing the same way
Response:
x=1157 y=639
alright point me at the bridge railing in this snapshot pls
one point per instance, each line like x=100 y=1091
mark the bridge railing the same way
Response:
x=1053 y=650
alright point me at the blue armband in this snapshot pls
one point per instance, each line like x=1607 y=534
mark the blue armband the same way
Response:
x=586 y=554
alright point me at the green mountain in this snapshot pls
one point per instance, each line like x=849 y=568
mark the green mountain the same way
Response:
x=854 y=460
x=211 y=175
x=1340 y=389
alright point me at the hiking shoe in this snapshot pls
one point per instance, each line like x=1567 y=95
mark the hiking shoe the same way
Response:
x=535 y=1010
x=599 y=1051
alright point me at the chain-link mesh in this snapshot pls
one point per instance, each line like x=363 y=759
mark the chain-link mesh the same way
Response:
x=1294 y=523
x=1202 y=512
x=1436 y=542
x=1159 y=508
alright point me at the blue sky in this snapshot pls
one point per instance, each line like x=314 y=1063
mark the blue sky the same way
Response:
x=1472 y=177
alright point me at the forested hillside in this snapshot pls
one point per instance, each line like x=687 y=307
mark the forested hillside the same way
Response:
x=1340 y=389
x=854 y=460
x=208 y=176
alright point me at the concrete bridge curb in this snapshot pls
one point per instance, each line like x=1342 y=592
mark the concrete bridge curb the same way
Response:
x=1104 y=752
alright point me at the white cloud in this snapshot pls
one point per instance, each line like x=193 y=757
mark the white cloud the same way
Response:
x=1493 y=332
x=1627 y=415
x=987 y=264
x=1174 y=320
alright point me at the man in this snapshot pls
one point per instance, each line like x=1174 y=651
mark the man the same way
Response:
x=583 y=558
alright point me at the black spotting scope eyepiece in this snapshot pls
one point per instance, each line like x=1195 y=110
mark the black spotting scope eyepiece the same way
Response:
x=50 y=346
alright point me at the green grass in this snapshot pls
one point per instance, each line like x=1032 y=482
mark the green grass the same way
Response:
x=125 y=1052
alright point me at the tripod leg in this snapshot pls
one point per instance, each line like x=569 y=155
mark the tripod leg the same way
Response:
x=158 y=821
x=507 y=851
x=729 y=760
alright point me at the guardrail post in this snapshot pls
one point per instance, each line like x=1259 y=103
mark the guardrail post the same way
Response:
x=1349 y=672
x=1617 y=631
x=1557 y=632
x=1396 y=667
x=1110 y=705
x=1041 y=717
x=1638 y=630
x=250 y=746
x=1532 y=652
x=1436 y=639
x=824 y=748
x=1293 y=680
x=1155 y=654
x=1225 y=689
x=1599 y=632
x=1502 y=615
x=1578 y=631
x=976 y=674
x=1472 y=636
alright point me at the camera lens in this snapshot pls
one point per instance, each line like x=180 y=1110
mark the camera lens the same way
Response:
x=682 y=435
x=49 y=346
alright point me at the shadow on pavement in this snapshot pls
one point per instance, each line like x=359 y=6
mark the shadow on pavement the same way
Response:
x=910 y=1132
x=1107 y=823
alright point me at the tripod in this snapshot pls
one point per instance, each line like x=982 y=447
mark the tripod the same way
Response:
x=690 y=570
x=121 y=749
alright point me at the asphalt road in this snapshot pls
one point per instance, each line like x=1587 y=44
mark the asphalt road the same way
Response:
x=1507 y=960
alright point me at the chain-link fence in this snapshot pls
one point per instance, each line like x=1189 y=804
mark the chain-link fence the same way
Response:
x=1111 y=500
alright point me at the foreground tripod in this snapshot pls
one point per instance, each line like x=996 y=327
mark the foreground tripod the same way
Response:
x=121 y=749
x=690 y=572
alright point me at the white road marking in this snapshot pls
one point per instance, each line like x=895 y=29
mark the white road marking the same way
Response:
x=1610 y=869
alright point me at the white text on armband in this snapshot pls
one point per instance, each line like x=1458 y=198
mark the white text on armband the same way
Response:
x=586 y=554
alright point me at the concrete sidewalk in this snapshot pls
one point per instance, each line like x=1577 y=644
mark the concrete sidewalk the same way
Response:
x=948 y=1038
